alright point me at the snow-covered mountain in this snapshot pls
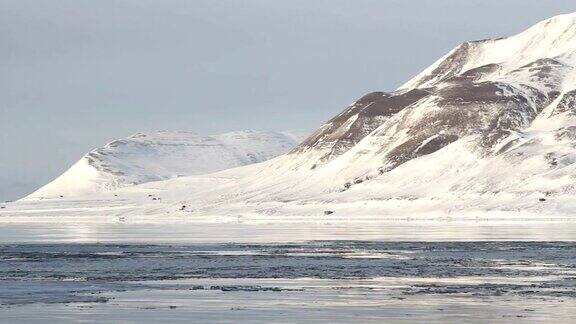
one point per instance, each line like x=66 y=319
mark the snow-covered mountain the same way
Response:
x=489 y=87
x=163 y=155
x=490 y=127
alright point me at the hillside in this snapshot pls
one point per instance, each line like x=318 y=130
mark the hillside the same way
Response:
x=164 y=155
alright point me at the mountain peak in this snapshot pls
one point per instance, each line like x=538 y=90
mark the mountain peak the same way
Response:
x=491 y=89
x=553 y=38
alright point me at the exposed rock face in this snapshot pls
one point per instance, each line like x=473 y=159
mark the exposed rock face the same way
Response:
x=358 y=120
x=429 y=119
x=567 y=104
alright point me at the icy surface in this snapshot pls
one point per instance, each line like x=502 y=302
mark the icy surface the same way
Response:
x=338 y=281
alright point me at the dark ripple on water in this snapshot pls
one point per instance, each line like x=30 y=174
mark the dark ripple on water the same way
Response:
x=59 y=272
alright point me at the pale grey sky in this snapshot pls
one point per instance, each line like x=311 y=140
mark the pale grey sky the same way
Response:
x=75 y=74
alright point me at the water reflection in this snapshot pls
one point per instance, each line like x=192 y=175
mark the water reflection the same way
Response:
x=288 y=232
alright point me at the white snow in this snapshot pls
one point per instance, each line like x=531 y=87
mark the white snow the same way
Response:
x=552 y=38
x=163 y=155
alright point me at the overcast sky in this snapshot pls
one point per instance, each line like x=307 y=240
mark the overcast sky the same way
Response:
x=76 y=74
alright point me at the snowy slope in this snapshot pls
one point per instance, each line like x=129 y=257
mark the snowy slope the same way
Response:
x=163 y=155
x=553 y=38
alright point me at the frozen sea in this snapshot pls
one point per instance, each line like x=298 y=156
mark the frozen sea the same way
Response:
x=288 y=271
